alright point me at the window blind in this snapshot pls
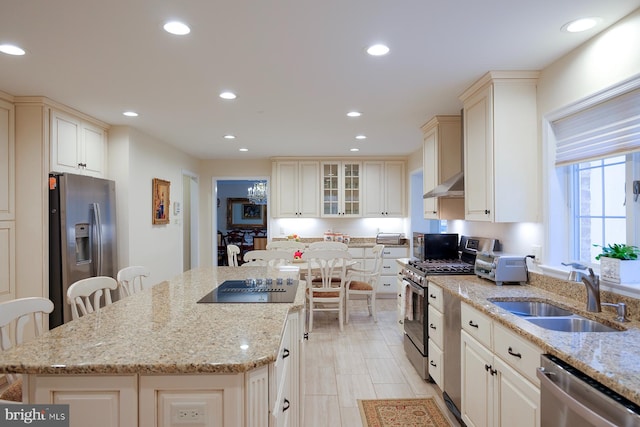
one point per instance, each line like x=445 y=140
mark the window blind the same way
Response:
x=603 y=130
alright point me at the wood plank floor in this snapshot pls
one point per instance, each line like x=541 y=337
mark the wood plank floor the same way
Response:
x=365 y=361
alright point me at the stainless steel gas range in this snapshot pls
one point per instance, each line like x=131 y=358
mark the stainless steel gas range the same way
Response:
x=449 y=257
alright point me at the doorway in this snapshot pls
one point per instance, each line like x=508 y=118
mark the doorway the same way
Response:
x=190 y=253
x=237 y=220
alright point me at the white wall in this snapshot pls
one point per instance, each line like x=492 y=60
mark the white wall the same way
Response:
x=135 y=159
x=608 y=59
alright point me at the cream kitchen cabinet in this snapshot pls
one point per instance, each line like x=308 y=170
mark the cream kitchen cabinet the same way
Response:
x=7 y=202
x=384 y=188
x=341 y=189
x=388 y=278
x=498 y=369
x=297 y=189
x=435 y=331
x=7 y=161
x=442 y=159
x=501 y=153
x=77 y=146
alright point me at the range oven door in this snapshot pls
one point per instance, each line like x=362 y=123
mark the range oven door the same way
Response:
x=414 y=317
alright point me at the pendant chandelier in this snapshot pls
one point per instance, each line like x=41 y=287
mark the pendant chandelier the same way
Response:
x=258 y=193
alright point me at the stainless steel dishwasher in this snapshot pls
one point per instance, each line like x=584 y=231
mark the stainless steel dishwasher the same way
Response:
x=570 y=398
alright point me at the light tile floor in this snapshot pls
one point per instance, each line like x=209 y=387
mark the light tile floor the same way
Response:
x=365 y=361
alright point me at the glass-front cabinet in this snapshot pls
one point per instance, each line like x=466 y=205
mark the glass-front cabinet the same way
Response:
x=341 y=189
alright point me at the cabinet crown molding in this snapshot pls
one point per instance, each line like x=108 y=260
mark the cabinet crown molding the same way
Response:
x=500 y=76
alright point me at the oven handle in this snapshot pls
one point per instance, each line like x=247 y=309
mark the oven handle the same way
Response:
x=414 y=288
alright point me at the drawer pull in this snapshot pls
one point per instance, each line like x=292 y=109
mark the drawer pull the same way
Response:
x=518 y=355
x=432 y=326
x=286 y=405
x=473 y=325
x=433 y=364
x=285 y=353
x=432 y=296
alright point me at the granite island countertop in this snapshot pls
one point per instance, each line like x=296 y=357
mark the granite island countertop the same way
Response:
x=612 y=358
x=163 y=330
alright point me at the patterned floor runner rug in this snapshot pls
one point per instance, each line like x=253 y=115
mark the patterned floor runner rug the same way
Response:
x=401 y=413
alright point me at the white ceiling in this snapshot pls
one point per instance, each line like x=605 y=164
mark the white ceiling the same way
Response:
x=298 y=66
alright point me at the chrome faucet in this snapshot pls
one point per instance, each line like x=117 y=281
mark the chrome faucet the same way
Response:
x=592 y=282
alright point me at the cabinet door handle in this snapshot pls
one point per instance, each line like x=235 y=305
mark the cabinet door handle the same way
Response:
x=432 y=296
x=433 y=364
x=305 y=336
x=286 y=405
x=518 y=355
x=473 y=325
x=432 y=326
x=285 y=353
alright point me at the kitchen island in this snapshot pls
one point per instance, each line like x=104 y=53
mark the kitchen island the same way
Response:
x=158 y=358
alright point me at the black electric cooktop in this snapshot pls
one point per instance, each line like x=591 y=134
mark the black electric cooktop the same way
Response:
x=254 y=291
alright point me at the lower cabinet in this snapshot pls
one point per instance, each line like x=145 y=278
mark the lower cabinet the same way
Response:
x=267 y=396
x=496 y=391
x=387 y=286
x=94 y=400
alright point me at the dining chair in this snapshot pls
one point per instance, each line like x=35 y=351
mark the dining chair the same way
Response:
x=364 y=282
x=233 y=251
x=323 y=246
x=325 y=279
x=130 y=280
x=286 y=245
x=14 y=316
x=81 y=293
x=263 y=257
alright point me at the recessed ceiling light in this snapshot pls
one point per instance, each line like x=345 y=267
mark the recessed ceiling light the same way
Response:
x=229 y=137
x=361 y=137
x=228 y=95
x=130 y=114
x=378 y=50
x=177 y=28
x=354 y=114
x=582 y=24
x=10 y=49
x=243 y=149
x=354 y=149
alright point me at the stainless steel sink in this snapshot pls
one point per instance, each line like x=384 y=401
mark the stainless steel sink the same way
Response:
x=551 y=317
x=570 y=324
x=532 y=308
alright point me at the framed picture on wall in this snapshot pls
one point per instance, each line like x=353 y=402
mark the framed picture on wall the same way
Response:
x=241 y=213
x=161 y=200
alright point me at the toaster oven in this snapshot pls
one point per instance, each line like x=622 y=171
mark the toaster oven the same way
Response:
x=501 y=269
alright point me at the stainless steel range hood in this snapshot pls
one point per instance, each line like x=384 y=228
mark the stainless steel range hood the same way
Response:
x=452 y=187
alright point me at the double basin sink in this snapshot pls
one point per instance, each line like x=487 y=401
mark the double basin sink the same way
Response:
x=552 y=317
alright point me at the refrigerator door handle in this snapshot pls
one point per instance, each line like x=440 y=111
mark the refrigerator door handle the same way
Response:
x=98 y=237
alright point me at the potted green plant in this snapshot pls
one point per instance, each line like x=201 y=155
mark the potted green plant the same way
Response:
x=619 y=263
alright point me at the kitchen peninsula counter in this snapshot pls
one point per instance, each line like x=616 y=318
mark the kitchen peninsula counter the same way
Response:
x=608 y=357
x=159 y=356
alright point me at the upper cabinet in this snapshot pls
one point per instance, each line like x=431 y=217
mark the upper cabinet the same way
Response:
x=297 y=189
x=77 y=146
x=330 y=188
x=341 y=189
x=501 y=154
x=384 y=189
x=7 y=161
x=442 y=159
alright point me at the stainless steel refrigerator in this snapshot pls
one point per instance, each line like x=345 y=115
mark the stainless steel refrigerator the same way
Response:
x=82 y=236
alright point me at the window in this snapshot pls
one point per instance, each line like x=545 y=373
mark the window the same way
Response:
x=598 y=206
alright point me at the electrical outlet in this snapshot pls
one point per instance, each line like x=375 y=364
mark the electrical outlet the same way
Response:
x=536 y=251
x=188 y=413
